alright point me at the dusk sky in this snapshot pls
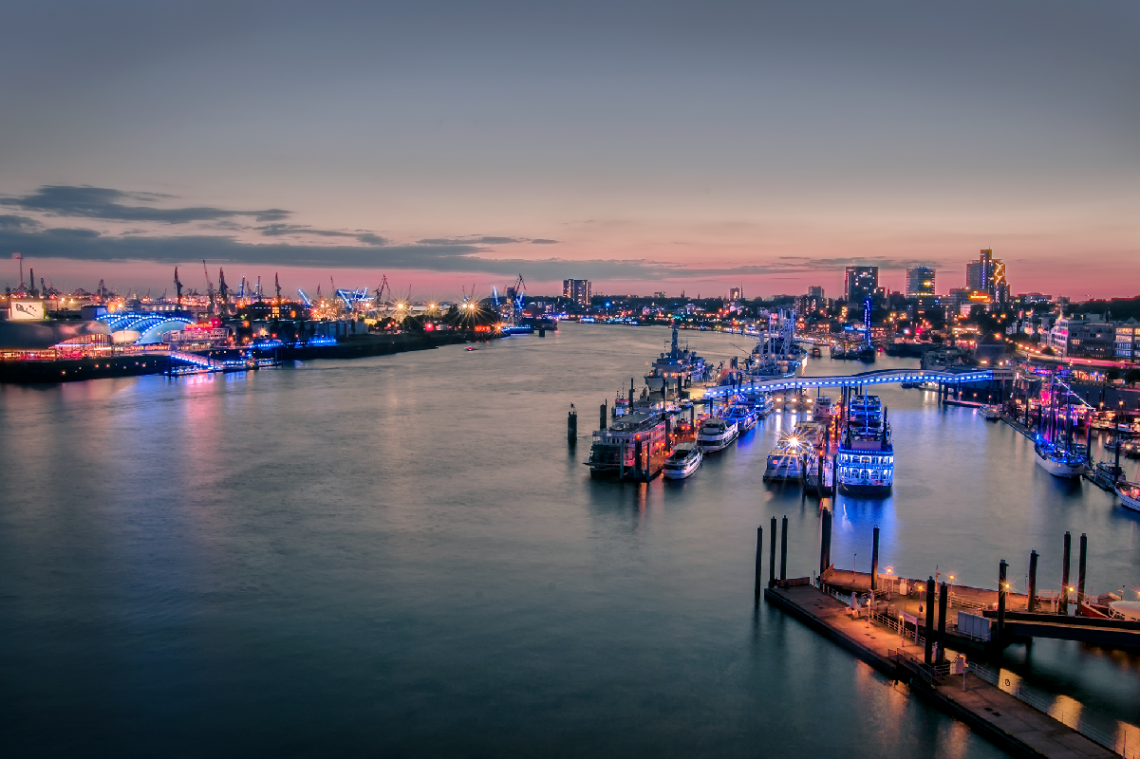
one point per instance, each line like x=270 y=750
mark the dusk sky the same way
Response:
x=643 y=145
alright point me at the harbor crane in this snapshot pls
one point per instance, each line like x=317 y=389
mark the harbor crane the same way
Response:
x=305 y=298
x=277 y=286
x=223 y=291
x=209 y=288
x=177 y=285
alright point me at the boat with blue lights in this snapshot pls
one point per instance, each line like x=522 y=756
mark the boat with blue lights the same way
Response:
x=865 y=460
x=743 y=416
x=1053 y=448
x=786 y=462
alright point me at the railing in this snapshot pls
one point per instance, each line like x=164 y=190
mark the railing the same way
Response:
x=1118 y=745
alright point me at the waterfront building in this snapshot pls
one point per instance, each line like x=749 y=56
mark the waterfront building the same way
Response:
x=1084 y=336
x=920 y=282
x=577 y=290
x=1127 y=340
x=861 y=282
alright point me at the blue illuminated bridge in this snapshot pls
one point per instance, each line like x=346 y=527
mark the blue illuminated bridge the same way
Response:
x=881 y=377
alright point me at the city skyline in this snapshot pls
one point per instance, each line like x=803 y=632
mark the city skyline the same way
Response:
x=768 y=147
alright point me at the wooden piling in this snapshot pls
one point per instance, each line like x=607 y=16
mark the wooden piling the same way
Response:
x=1002 y=592
x=825 y=541
x=943 y=599
x=759 y=559
x=772 y=557
x=1032 y=581
x=1065 y=573
x=875 y=561
x=572 y=426
x=602 y=416
x=1081 y=556
x=929 y=652
x=784 y=549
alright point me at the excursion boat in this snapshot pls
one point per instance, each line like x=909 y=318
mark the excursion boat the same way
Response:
x=716 y=434
x=866 y=456
x=685 y=459
x=742 y=416
x=1129 y=493
x=823 y=409
x=614 y=450
x=992 y=413
x=786 y=461
x=763 y=405
x=677 y=365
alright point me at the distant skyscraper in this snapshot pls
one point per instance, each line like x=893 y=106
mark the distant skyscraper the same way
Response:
x=919 y=282
x=815 y=291
x=735 y=293
x=975 y=276
x=861 y=283
x=577 y=290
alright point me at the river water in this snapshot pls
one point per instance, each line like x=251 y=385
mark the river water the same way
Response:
x=401 y=556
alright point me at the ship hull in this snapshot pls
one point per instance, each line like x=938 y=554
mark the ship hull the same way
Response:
x=1060 y=469
x=864 y=491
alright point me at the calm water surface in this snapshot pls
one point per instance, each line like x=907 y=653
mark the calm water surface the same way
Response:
x=400 y=556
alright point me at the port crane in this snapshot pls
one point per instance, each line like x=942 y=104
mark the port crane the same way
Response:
x=177 y=285
x=223 y=291
x=305 y=298
x=209 y=289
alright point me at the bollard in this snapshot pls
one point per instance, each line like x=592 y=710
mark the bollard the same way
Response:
x=928 y=656
x=572 y=426
x=784 y=549
x=1002 y=590
x=825 y=541
x=772 y=557
x=875 y=562
x=1065 y=573
x=602 y=417
x=1032 y=581
x=943 y=597
x=759 y=558
x=1083 y=552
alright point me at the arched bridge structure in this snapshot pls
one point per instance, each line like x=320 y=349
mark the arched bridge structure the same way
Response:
x=863 y=379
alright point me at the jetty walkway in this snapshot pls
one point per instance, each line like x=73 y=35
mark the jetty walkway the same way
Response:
x=863 y=379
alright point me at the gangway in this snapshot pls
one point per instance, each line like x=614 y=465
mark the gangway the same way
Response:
x=879 y=377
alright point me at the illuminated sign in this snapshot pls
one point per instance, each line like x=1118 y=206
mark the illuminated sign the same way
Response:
x=26 y=310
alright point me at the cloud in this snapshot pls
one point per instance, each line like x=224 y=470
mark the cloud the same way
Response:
x=484 y=240
x=282 y=230
x=106 y=203
x=8 y=221
x=542 y=241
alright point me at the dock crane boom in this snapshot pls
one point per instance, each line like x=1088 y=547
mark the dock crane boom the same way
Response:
x=177 y=285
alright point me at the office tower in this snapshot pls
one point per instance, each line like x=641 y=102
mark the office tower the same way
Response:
x=577 y=290
x=861 y=283
x=919 y=282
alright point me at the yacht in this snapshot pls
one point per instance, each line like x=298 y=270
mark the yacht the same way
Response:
x=716 y=434
x=685 y=459
x=742 y=416
x=1129 y=493
x=786 y=461
x=866 y=456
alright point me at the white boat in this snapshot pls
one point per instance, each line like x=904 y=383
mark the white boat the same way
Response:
x=823 y=410
x=992 y=413
x=763 y=405
x=716 y=434
x=685 y=459
x=1129 y=493
x=742 y=416
x=786 y=461
x=1058 y=461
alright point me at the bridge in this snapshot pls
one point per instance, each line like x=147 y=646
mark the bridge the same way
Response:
x=1100 y=632
x=880 y=377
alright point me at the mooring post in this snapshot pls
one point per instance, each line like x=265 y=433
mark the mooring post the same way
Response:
x=825 y=541
x=784 y=549
x=875 y=562
x=1065 y=573
x=1032 y=581
x=759 y=558
x=943 y=597
x=772 y=557
x=1002 y=589
x=602 y=416
x=1081 y=555
x=928 y=657
x=572 y=426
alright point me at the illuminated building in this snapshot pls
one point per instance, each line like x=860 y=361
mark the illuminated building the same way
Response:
x=920 y=282
x=577 y=290
x=861 y=283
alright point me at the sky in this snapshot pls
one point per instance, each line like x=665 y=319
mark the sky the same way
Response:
x=646 y=146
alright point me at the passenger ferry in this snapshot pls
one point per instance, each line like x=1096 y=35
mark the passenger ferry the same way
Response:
x=716 y=434
x=1129 y=493
x=787 y=460
x=613 y=452
x=763 y=405
x=866 y=456
x=685 y=459
x=823 y=410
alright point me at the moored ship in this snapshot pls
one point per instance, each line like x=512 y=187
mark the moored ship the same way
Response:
x=786 y=462
x=634 y=447
x=716 y=434
x=865 y=461
x=685 y=459
x=678 y=365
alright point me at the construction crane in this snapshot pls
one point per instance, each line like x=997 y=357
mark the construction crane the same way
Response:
x=241 y=289
x=277 y=286
x=209 y=289
x=177 y=285
x=223 y=291
x=380 y=290
x=257 y=292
